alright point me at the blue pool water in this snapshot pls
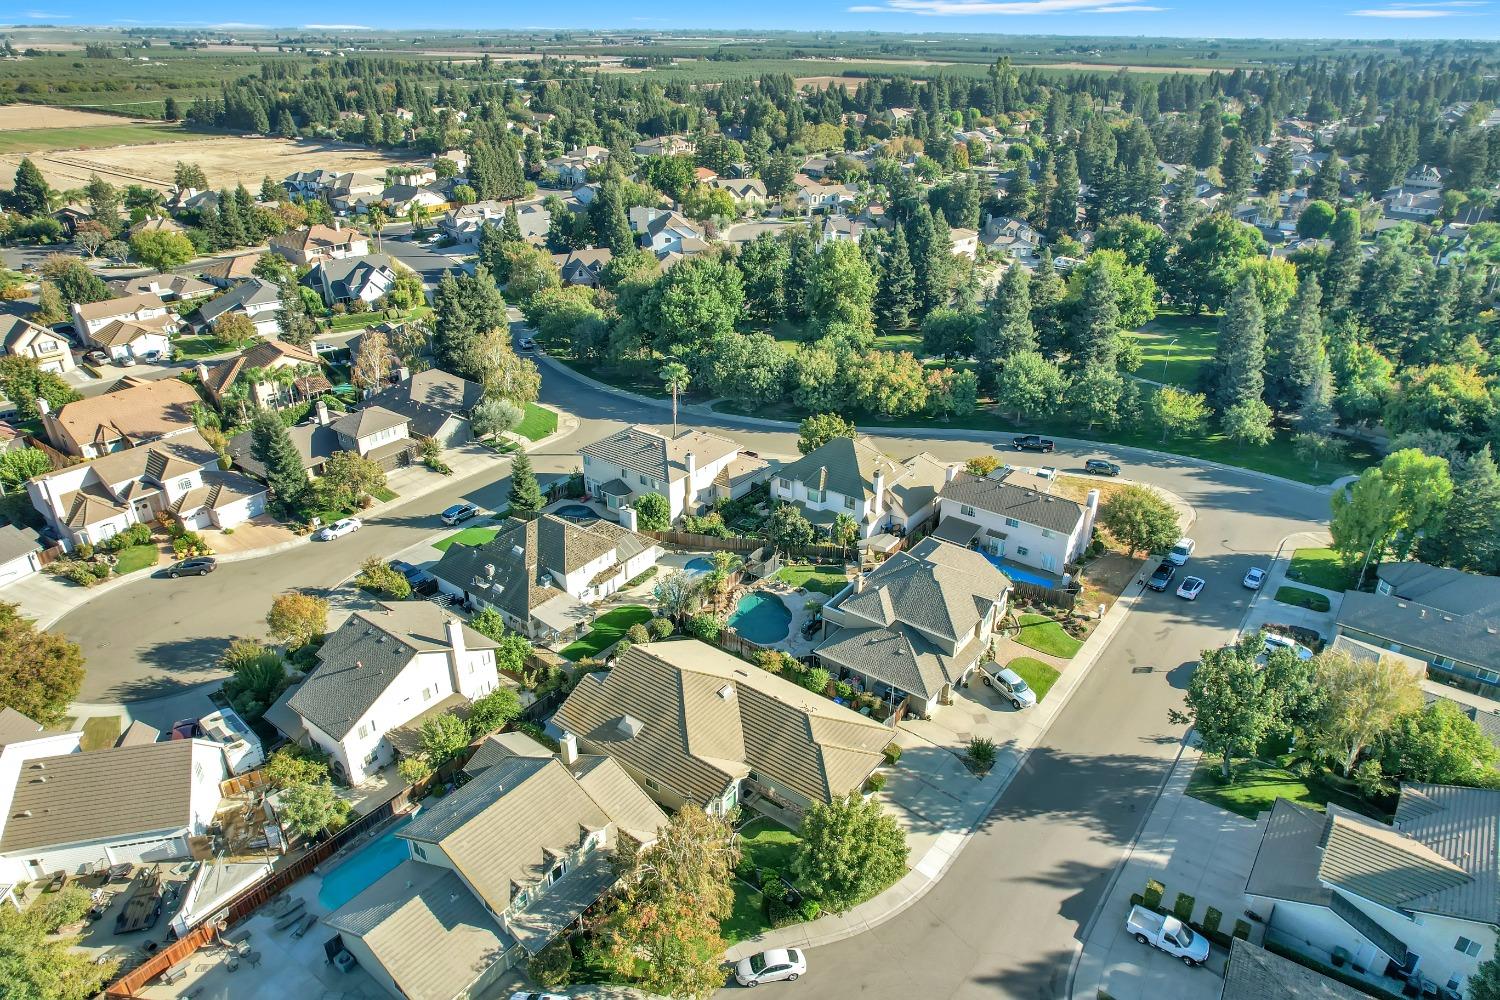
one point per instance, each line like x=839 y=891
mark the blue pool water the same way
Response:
x=363 y=868
x=761 y=618
x=576 y=512
x=701 y=564
x=1020 y=573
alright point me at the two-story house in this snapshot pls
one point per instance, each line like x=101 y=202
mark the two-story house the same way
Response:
x=383 y=436
x=1014 y=518
x=915 y=628
x=664 y=145
x=463 y=225
x=305 y=247
x=379 y=671
x=853 y=477
x=127 y=327
x=22 y=339
x=268 y=357
x=744 y=190
x=642 y=459
x=179 y=475
x=171 y=287
x=348 y=279
x=670 y=233
x=816 y=196
x=494 y=872
x=572 y=168
x=1413 y=898
x=256 y=298
x=696 y=726
x=137 y=413
x=542 y=575
x=582 y=267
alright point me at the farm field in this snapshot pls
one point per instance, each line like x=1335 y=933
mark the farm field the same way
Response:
x=35 y=117
x=122 y=133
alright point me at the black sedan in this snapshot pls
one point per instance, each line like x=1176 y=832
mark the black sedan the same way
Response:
x=1101 y=467
x=200 y=566
x=1162 y=577
x=422 y=582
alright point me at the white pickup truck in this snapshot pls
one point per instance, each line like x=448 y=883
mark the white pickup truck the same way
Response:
x=1167 y=934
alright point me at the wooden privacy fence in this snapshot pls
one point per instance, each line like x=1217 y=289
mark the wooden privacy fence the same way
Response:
x=822 y=551
x=1056 y=596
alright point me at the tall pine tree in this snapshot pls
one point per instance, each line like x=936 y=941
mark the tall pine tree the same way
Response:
x=525 y=495
x=1096 y=324
x=1239 y=374
x=897 y=296
x=271 y=445
x=1005 y=328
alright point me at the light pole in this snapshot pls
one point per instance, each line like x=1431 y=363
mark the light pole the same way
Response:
x=1167 y=357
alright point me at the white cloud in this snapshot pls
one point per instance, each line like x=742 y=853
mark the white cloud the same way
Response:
x=237 y=24
x=1408 y=10
x=981 y=8
x=46 y=15
x=339 y=27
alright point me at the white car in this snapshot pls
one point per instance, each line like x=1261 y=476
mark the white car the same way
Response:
x=1011 y=685
x=1191 y=588
x=1181 y=551
x=527 y=344
x=1275 y=642
x=770 y=967
x=527 y=995
x=1255 y=578
x=338 y=529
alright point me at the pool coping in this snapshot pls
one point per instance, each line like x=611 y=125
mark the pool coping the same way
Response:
x=766 y=593
x=375 y=832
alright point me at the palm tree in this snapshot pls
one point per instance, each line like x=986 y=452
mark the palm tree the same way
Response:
x=674 y=375
x=377 y=218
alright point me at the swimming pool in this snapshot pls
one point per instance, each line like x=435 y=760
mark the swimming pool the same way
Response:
x=761 y=618
x=699 y=564
x=1021 y=574
x=363 y=868
x=576 y=512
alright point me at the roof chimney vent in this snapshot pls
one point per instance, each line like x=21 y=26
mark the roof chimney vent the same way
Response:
x=726 y=692
x=358 y=664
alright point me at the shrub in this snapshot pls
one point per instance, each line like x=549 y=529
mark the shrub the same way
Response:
x=875 y=782
x=843 y=689
x=553 y=965
x=1154 y=892
x=892 y=754
x=377 y=577
x=190 y=543
x=136 y=534
x=815 y=680
x=811 y=908
x=1241 y=929
x=660 y=628
x=982 y=753
x=1182 y=909
x=705 y=626
x=637 y=633
x=81 y=573
x=1211 y=920
x=84 y=551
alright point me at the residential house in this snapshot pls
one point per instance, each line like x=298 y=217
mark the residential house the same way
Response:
x=464 y=224
x=170 y=287
x=155 y=224
x=1425 y=176
x=697 y=726
x=354 y=191
x=24 y=339
x=435 y=404
x=666 y=145
x=572 y=168
x=1253 y=973
x=817 y=167
x=268 y=390
x=126 y=327
x=1012 y=237
x=1417 y=897
x=380 y=435
x=494 y=872
x=348 y=279
x=306 y=247
x=73 y=812
x=20 y=552
x=916 y=627
x=257 y=299
x=309 y=183
x=582 y=267
x=664 y=232
x=642 y=459
x=1014 y=518
x=178 y=476
x=400 y=199
x=816 y=196
x=853 y=477
x=191 y=201
x=741 y=189
x=315 y=440
x=965 y=242
x=226 y=271
x=137 y=413
x=1412 y=204
x=838 y=228
x=542 y=574
x=1446 y=618
x=382 y=671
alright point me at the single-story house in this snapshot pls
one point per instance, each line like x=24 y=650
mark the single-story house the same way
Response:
x=226 y=271
x=1254 y=973
x=267 y=356
x=170 y=287
x=20 y=552
x=436 y=405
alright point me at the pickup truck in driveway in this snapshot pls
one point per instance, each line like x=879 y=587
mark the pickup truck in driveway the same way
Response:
x=1167 y=934
x=1031 y=442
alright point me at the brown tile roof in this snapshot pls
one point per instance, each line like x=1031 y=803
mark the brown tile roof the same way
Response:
x=262 y=355
x=140 y=413
x=120 y=306
x=127 y=331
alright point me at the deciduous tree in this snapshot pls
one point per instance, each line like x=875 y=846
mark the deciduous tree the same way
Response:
x=851 y=850
x=40 y=672
x=1140 y=520
x=1227 y=702
x=820 y=428
x=297 y=618
x=1360 y=701
x=652 y=512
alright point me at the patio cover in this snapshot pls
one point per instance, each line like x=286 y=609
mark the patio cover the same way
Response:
x=614 y=488
x=956 y=530
x=882 y=542
x=563 y=612
x=563 y=903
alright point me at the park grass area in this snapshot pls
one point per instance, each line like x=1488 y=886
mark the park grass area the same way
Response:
x=99 y=732
x=609 y=628
x=136 y=557
x=476 y=535
x=1044 y=635
x=537 y=423
x=1302 y=598
x=33 y=140
x=1319 y=568
x=1175 y=347
x=1039 y=676
x=823 y=579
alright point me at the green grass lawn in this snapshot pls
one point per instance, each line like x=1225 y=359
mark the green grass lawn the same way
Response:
x=823 y=579
x=476 y=535
x=1179 y=363
x=1257 y=784
x=99 y=732
x=344 y=322
x=768 y=844
x=1043 y=634
x=35 y=140
x=1320 y=568
x=538 y=422
x=137 y=557
x=748 y=917
x=1040 y=676
x=608 y=629
x=198 y=348
x=1301 y=598
x=384 y=494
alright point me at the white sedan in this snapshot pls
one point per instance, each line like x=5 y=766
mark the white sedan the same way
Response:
x=338 y=529
x=1191 y=588
x=524 y=995
x=1255 y=578
x=771 y=966
x=1275 y=642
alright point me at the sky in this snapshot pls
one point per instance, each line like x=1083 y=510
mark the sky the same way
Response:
x=1467 y=19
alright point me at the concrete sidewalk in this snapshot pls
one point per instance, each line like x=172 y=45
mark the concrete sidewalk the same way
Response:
x=1265 y=608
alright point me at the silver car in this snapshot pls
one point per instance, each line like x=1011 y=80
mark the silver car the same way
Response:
x=771 y=966
x=1011 y=685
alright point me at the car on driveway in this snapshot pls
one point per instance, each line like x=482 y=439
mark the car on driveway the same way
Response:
x=1033 y=442
x=1162 y=577
x=338 y=529
x=1275 y=642
x=1181 y=551
x=771 y=966
x=1254 y=578
x=1011 y=685
x=153 y=357
x=126 y=361
x=422 y=582
x=527 y=995
x=199 y=566
x=96 y=358
x=459 y=513
x=1101 y=467
x=1191 y=588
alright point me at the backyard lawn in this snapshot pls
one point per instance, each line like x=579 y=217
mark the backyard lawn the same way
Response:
x=1179 y=363
x=823 y=579
x=1302 y=598
x=476 y=535
x=608 y=629
x=1038 y=675
x=768 y=844
x=99 y=732
x=1044 y=635
x=1320 y=568
x=137 y=557
x=538 y=422
x=198 y=348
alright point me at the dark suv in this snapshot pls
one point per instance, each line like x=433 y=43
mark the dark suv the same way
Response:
x=1101 y=467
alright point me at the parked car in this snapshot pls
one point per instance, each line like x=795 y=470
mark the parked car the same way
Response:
x=527 y=344
x=97 y=358
x=126 y=361
x=1167 y=934
x=198 y=566
x=1181 y=551
x=1254 y=578
x=422 y=582
x=185 y=729
x=1191 y=588
x=771 y=966
x=459 y=513
x=1162 y=577
x=1032 y=442
x=152 y=357
x=338 y=529
x=527 y=995
x=1100 y=467
x=1012 y=686
x=1275 y=642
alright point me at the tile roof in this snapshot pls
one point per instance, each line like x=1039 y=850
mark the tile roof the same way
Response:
x=1257 y=974
x=17 y=541
x=497 y=747
x=138 y=413
x=124 y=331
x=14 y=328
x=694 y=718
x=842 y=465
x=941 y=589
x=1009 y=499
x=1377 y=863
x=264 y=354
x=231 y=268
x=1286 y=863
x=121 y=306
x=180 y=285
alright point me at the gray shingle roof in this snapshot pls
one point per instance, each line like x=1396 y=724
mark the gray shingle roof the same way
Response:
x=1471 y=635
x=842 y=465
x=17 y=728
x=1257 y=974
x=899 y=656
x=316 y=443
x=430 y=397
x=371 y=420
x=937 y=588
x=1011 y=500
x=250 y=292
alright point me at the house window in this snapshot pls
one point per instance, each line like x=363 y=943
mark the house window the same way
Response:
x=645 y=480
x=1470 y=948
x=417 y=850
x=184 y=484
x=966 y=510
x=1046 y=533
x=427 y=694
x=848 y=503
x=652 y=785
x=364 y=731
x=783 y=484
x=1022 y=550
x=817 y=496
x=1011 y=522
x=557 y=872
x=1489 y=676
